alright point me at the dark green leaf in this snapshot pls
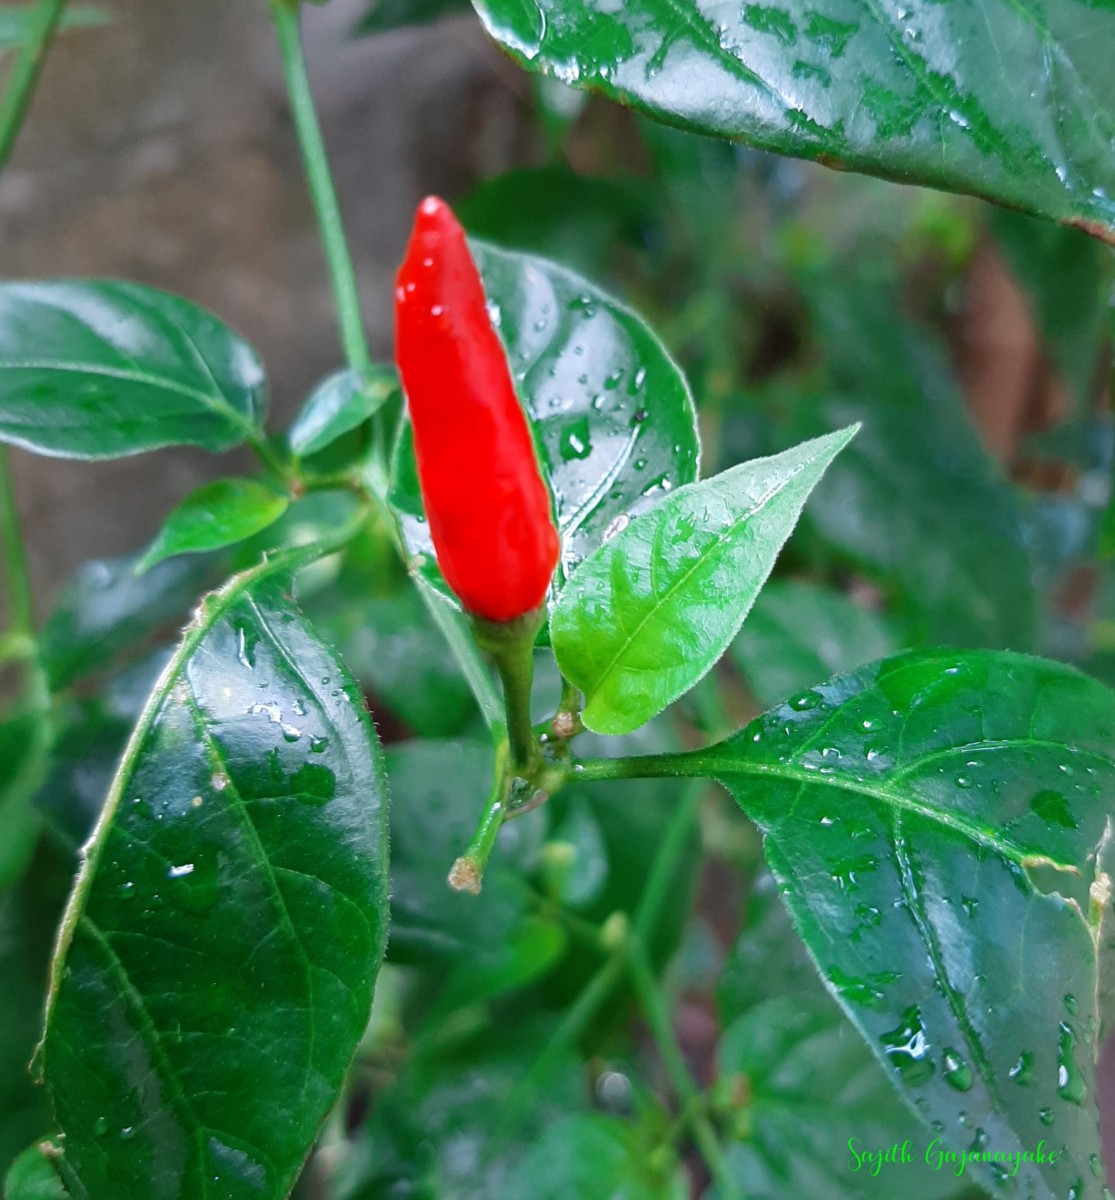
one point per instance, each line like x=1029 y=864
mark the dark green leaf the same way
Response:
x=791 y=1054
x=107 y=610
x=24 y=747
x=217 y=514
x=337 y=405
x=921 y=93
x=438 y=791
x=99 y=369
x=33 y=1177
x=800 y=633
x=383 y=15
x=14 y=21
x=939 y=827
x=654 y=608
x=592 y=1157
x=612 y=413
x=216 y=966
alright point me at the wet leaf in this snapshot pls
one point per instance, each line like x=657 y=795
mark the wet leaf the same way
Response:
x=787 y=1051
x=215 y=971
x=99 y=369
x=218 y=514
x=939 y=828
x=612 y=413
x=800 y=633
x=916 y=92
x=654 y=608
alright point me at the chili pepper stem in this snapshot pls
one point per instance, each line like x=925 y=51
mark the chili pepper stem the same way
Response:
x=511 y=645
x=468 y=871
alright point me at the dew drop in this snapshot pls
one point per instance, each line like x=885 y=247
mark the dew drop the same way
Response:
x=957 y=1072
x=1045 y=1115
x=1023 y=1071
x=100 y=1127
x=908 y=1049
x=180 y=872
x=1070 y=1079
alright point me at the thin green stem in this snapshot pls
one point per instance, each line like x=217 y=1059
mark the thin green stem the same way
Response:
x=468 y=870
x=658 y=1017
x=16 y=99
x=645 y=766
x=511 y=645
x=20 y=610
x=322 y=191
x=663 y=869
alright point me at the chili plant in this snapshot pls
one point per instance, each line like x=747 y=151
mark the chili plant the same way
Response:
x=920 y=988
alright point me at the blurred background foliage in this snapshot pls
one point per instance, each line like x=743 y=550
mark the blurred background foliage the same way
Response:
x=974 y=344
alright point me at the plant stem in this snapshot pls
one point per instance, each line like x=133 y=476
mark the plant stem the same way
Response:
x=658 y=1017
x=648 y=766
x=468 y=870
x=20 y=612
x=670 y=849
x=324 y=195
x=25 y=72
x=511 y=645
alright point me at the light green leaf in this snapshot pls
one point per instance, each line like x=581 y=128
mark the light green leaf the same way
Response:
x=652 y=610
x=215 y=969
x=217 y=514
x=99 y=369
x=33 y=1177
x=1015 y=103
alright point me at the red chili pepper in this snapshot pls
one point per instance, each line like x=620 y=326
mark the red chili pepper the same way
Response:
x=488 y=506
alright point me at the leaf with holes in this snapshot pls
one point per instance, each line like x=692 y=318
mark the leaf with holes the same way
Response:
x=1012 y=102
x=654 y=608
x=939 y=826
x=612 y=413
x=99 y=369
x=215 y=969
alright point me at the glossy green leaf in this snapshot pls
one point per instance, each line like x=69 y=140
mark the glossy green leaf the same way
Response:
x=612 y=413
x=218 y=514
x=939 y=826
x=1015 y=104
x=654 y=608
x=100 y=369
x=592 y=1157
x=800 y=633
x=214 y=975
x=14 y=20
x=786 y=1054
x=107 y=610
x=438 y=791
x=338 y=404
x=33 y=1177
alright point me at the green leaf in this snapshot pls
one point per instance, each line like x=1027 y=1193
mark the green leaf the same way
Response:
x=591 y=1157
x=215 y=970
x=24 y=749
x=800 y=633
x=789 y=1051
x=33 y=1177
x=217 y=514
x=14 y=20
x=913 y=94
x=383 y=15
x=939 y=826
x=612 y=413
x=107 y=609
x=338 y=404
x=654 y=608
x=1064 y=275
x=99 y=369
x=438 y=791
x=433 y=1132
